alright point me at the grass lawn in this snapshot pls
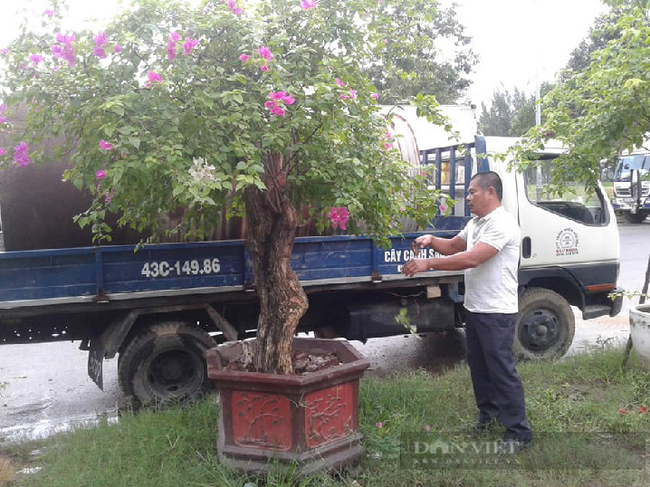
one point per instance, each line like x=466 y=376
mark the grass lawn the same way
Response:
x=587 y=413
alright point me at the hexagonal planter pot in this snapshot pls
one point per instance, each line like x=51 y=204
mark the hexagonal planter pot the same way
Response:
x=310 y=419
x=640 y=332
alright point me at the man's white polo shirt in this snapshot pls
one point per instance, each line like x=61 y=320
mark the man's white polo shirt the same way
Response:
x=492 y=286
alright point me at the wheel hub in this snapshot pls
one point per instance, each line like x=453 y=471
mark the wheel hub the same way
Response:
x=539 y=330
x=173 y=371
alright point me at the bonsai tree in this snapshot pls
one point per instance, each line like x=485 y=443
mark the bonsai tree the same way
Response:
x=260 y=108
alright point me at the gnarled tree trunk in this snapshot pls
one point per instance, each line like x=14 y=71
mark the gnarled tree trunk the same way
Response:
x=272 y=223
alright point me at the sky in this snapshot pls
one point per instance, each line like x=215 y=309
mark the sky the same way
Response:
x=518 y=41
x=521 y=41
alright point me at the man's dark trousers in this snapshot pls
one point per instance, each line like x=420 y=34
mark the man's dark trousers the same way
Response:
x=498 y=389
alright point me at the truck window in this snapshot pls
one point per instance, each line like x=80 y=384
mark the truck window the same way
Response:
x=577 y=203
x=629 y=163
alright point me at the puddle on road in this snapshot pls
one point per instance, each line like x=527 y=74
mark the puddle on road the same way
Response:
x=38 y=430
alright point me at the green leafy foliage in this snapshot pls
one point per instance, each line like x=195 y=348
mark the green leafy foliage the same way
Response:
x=187 y=132
x=604 y=108
x=426 y=69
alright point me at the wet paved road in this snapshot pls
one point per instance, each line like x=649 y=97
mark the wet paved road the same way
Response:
x=47 y=390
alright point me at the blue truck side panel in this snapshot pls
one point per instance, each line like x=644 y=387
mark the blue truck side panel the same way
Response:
x=69 y=273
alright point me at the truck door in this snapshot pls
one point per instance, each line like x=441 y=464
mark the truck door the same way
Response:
x=575 y=229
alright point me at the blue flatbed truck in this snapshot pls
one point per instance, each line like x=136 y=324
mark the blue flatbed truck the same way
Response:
x=159 y=307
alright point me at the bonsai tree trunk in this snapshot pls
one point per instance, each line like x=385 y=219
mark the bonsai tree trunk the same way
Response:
x=272 y=222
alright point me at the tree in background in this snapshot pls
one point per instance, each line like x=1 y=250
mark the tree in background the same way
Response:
x=603 y=108
x=605 y=29
x=441 y=61
x=260 y=106
x=510 y=114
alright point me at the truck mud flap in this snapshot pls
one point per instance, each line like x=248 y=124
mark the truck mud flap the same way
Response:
x=96 y=363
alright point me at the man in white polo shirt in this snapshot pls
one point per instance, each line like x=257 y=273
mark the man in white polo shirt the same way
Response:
x=488 y=250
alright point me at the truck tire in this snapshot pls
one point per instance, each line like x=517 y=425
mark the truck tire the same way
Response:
x=545 y=325
x=638 y=217
x=165 y=363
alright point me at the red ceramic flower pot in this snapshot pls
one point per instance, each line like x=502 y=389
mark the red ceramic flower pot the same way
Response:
x=310 y=419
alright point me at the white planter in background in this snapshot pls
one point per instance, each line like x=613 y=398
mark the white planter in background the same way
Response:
x=640 y=331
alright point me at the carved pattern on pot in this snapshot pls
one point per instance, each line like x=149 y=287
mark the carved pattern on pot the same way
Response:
x=328 y=414
x=260 y=420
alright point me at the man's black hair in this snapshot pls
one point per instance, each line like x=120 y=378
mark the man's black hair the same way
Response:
x=487 y=179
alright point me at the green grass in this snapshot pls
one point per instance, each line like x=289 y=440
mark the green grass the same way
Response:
x=583 y=394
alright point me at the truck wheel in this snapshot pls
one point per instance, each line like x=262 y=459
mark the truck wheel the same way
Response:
x=545 y=325
x=638 y=217
x=165 y=363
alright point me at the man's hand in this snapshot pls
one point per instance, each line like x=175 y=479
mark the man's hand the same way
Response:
x=422 y=242
x=413 y=266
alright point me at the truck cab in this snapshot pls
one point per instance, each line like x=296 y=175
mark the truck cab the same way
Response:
x=623 y=201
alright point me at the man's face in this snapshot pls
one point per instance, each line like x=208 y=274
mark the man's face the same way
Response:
x=478 y=199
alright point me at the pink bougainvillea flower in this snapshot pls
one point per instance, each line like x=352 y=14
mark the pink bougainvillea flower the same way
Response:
x=388 y=146
x=339 y=217
x=379 y=424
x=4 y=51
x=344 y=96
x=264 y=68
x=244 y=57
x=189 y=45
x=442 y=207
x=374 y=96
x=2 y=151
x=154 y=77
x=232 y=5
x=174 y=36
x=100 y=39
x=307 y=4
x=20 y=154
x=100 y=174
x=103 y=145
x=265 y=52
x=3 y=119
x=35 y=59
x=171 y=50
x=65 y=39
x=339 y=82
x=353 y=94
x=643 y=410
x=65 y=51
x=276 y=100
x=99 y=53
x=49 y=13
x=117 y=49
x=278 y=111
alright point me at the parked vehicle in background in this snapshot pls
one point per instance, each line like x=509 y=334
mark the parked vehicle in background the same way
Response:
x=625 y=200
